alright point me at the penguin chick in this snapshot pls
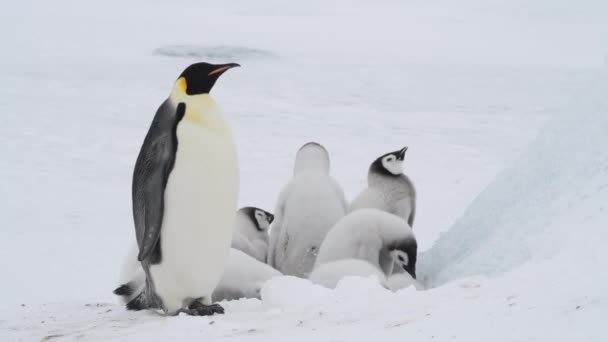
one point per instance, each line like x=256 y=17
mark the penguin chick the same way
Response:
x=382 y=239
x=307 y=207
x=388 y=188
x=251 y=232
x=329 y=274
x=243 y=277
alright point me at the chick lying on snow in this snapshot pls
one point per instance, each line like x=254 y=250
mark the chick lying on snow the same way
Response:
x=243 y=277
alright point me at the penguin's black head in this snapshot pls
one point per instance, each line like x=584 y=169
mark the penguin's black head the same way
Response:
x=199 y=78
x=261 y=218
x=404 y=254
x=389 y=164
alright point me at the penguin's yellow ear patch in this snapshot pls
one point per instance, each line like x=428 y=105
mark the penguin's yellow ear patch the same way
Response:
x=181 y=84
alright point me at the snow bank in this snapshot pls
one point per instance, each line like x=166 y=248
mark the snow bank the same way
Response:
x=400 y=281
x=550 y=202
x=293 y=292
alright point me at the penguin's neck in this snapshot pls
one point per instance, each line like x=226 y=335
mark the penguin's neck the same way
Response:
x=245 y=226
x=201 y=110
x=392 y=186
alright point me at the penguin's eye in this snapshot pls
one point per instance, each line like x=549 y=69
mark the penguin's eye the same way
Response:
x=400 y=258
x=390 y=159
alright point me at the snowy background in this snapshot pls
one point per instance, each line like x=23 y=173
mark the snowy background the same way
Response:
x=503 y=104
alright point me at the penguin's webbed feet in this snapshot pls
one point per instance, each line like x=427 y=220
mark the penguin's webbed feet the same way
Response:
x=199 y=309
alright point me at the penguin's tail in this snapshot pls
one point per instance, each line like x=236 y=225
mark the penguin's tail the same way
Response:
x=134 y=296
x=144 y=299
x=135 y=284
x=124 y=290
x=127 y=292
x=137 y=294
x=139 y=302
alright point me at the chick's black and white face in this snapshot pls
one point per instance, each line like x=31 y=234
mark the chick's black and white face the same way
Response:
x=390 y=164
x=400 y=258
x=393 y=164
x=403 y=260
x=263 y=219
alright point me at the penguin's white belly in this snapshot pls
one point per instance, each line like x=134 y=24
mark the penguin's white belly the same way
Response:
x=198 y=221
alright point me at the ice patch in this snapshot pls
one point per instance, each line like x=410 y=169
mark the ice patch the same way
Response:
x=355 y=286
x=220 y=53
x=548 y=203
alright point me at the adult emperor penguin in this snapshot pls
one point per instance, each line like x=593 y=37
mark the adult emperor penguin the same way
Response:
x=382 y=239
x=388 y=188
x=307 y=207
x=185 y=189
x=251 y=232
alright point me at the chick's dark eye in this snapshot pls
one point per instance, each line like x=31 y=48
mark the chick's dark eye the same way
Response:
x=400 y=258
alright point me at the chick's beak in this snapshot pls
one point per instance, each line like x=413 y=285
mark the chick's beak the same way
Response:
x=401 y=154
x=410 y=270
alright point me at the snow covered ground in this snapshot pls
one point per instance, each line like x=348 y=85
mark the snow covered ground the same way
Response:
x=502 y=103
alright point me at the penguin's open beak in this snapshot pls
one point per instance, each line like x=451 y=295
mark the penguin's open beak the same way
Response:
x=270 y=218
x=223 y=67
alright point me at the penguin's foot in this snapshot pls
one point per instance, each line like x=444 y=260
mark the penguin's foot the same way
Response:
x=199 y=309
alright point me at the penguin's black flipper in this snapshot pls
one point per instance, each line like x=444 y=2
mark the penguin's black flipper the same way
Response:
x=152 y=168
